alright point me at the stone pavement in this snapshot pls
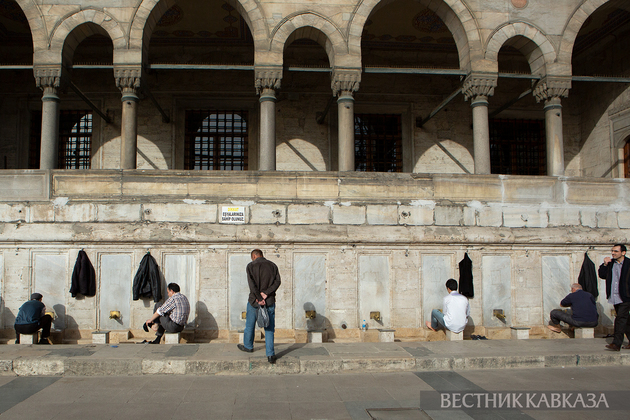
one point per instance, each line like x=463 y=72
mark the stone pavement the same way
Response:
x=321 y=358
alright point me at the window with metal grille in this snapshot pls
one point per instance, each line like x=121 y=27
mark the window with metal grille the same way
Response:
x=518 y=147
x=75 y=139
x=377 y=143
x=216 y=140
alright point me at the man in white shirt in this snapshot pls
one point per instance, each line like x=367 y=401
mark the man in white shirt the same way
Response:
x=455 y=311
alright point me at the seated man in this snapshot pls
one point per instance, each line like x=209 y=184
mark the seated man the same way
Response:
x=583 y=307
x=455 y=311
x=31 y=317
x=173 y=314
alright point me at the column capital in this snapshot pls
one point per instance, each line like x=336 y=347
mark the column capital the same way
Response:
x=552 y=88
x=479 y=84
x=267 y=77
x=48 y=77
x=345 y=80
x=128 y=79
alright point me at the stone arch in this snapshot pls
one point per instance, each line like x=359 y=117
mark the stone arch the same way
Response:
x=64 y=37
x=454 y=13
x=539 y=50
x=308 y=25
x=573 y=26
x=36 y=22
x=149 y=13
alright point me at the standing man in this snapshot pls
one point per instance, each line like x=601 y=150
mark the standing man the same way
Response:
x=455 y=311
x=173 y=314
x=31 y=318
x=616 y=271
x=263 y=279
x=583 y=308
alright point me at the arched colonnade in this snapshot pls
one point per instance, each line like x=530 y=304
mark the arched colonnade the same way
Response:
x=54 y=42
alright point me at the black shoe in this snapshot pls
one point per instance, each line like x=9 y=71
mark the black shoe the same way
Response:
x=145 y=327
x=44 y=341
x=157 y=340
x=271 y=359
x=245 y=349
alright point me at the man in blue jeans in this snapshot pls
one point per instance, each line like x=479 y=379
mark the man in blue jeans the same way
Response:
x=455 y=311
x=263 y=279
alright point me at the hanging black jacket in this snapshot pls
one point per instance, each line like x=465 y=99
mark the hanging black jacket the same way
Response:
x=466 y=287
x=588 y=277
x=147 y=283
x=83 y=276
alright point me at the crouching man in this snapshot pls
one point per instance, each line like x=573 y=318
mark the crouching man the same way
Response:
x=583 y=307
x=31 y=318
x=455 y=311
x=171 y=316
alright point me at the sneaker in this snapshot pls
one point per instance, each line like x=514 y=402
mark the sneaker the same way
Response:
x=157 y=340
x=272 y=359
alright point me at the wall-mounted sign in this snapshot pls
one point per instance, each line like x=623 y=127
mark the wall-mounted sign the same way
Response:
x=233 y=215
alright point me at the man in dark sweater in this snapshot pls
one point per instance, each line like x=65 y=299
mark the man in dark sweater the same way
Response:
x=263 y=279
x=583 y=307
x=31 y=317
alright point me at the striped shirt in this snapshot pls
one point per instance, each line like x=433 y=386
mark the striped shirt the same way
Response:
x=176 y=308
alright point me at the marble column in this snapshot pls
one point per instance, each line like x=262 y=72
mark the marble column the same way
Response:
x=267 y=82
x=550 y=90
x=48 y=80
x=477 y=88
x=344 y=83
x=128 y=81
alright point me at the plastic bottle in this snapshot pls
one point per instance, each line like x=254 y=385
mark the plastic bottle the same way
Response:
x=364 y=326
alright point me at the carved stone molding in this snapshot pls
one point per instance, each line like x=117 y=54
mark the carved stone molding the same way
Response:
x=550 y=87
x=267 y=77
x=479 y=84
x=47 y=76
x=128 y=78
x=345 y=80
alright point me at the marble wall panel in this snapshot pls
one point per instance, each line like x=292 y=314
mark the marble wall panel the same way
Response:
x=115 y=276
x=309 y=274
x=436 y=270
x=556 y=277
x=181 y=269
x=374 y=293
x=496 y=289
x=50 y=277
x=239 y=289
x=1 y=290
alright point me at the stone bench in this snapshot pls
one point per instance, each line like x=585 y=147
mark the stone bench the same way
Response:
x=452 y=336
x=172 y=338
x=29 y=338
x=584 y=333
x=386 y=335
x=520 y=333
x=100 y=337
x=315 y=336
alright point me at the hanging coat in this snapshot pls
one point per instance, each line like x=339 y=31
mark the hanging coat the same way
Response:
x=83 y=276
x=147 y=282
x=466 y=287
x=588 y=277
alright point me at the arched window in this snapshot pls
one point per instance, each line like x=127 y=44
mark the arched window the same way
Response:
x=216 y=140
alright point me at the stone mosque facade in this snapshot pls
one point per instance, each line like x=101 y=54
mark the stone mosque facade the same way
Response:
x=364 y=146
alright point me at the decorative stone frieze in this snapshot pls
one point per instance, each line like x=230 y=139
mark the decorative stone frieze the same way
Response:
x=345 y=80
x=479 y=84
x=552 y=87
x=268 y=77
